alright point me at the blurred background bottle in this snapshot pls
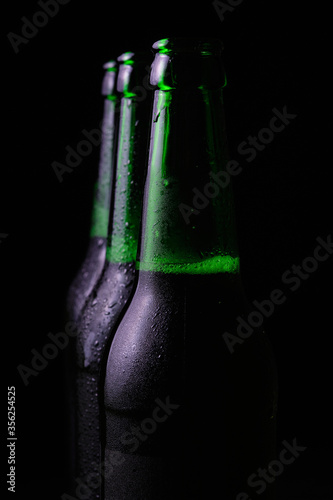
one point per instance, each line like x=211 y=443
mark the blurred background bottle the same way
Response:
x=107 y=301
x=188 y=418
x=92 y=265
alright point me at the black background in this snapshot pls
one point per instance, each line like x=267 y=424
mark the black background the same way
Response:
x=276 y=54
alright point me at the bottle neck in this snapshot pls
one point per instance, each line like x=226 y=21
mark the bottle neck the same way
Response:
x=188 y=222
x=103 y=186
x=128 y=192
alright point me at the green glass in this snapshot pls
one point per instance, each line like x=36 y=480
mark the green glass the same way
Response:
x=92 y=265
x=187 y=418
x=123 y=240
x=102 y=194
x=177 y=236
x=114 y=289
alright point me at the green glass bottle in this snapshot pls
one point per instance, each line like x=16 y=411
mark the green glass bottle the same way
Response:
x=185 y=417
x=92 y=265
x=114 y=289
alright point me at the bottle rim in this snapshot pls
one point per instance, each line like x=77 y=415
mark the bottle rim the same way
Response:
x=109 y=79
x=110 y=65
x=132 y=72
x=125 y=57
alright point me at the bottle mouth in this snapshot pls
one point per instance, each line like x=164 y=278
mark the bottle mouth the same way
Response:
x=184 y=63
x=134 y=69
x=193 y=46
x=126 y=58
x=110 y=65
x=109 y=80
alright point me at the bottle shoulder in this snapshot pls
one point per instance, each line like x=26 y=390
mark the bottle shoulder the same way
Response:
x=171 y=332
x=86 y=276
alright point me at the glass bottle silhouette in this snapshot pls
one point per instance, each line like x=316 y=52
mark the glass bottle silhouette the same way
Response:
x=92 y=265
x=185 y=417
x=109 y=298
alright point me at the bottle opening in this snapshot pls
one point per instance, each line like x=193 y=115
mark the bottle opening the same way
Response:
x=110 y=66
x=184 y=63
x=109 y=80
x=126 y=58
x=133 y=71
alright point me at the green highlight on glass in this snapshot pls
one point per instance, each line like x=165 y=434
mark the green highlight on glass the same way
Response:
x=131 y=159
x=123 y=243
x=214 y=265
x=103 y=186
x=187 y=144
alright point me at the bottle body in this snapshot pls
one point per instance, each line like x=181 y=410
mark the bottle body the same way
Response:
x=190 y=418
x=187 y=418
x=92 y=265
x=114 y=289
x=109 y=298
x=93 y=262
x=87 y=276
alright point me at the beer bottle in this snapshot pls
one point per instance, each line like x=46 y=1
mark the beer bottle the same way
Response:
x=115 y=286
x=91 y=268
x=186 y=417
